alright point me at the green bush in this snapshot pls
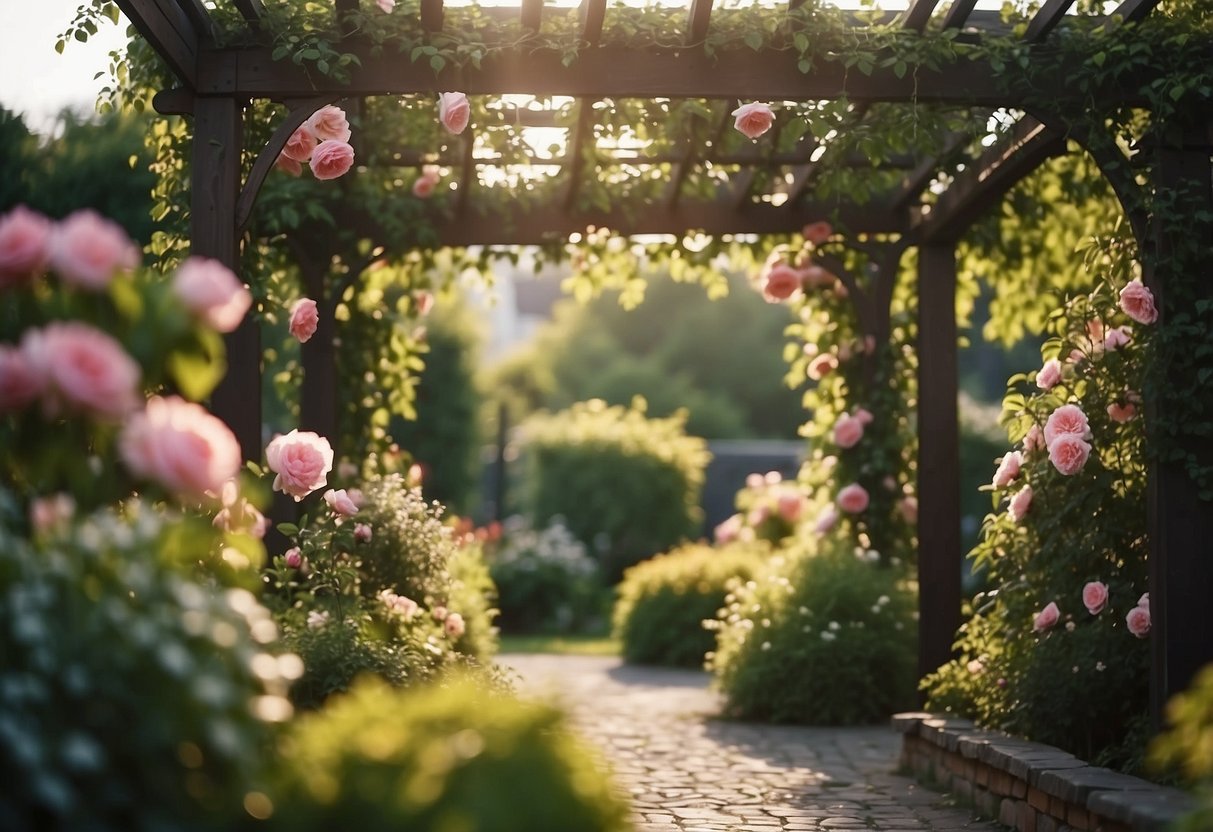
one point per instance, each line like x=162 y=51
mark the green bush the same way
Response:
x=826 y=639
x=410 y=548
x=132 y=695
x=546 y=581
x=452 y=757
x=471 y=594
x=579 y=460
x=1187 y=746
x=663 y=603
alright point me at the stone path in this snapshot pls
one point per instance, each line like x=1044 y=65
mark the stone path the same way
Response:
x=689 y=772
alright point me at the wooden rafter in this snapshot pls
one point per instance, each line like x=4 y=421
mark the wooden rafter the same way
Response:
x=531 y=14
x=918 y=13
x=1133 y=11
x=468 y=176
x=431 y=15
x=916 y=181
x=1050 y=15
x=200 y=19
x=251 y=10
x=958 y=13
x=699 y=15
x=593 y=16
x=166 y=28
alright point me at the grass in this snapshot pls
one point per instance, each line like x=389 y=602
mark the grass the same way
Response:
x=566 y=645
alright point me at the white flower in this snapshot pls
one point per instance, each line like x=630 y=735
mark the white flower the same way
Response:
x=317 y=619
x=834 y=626
x=826 y=635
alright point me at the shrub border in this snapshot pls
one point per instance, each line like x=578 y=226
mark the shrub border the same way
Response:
x=1029 y=786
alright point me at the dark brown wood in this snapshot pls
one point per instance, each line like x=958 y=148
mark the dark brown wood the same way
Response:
x=1133 y=11
x=918 y=13
x=200 y=20
x=318 y=407
x=1043 y=21
x=177 y=101
x=167 y=30
x=431 y=15
x=215 y=182
x=593 y=15
x=916 y=181
x=467 y=177
x=699 y=16
x=939 y=548
x=532 y=14
x=251 y=10
x=958 y=13
x=579 y=143
x=682 y=167
x=1179 y=522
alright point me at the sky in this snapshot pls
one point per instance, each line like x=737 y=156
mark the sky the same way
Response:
x=36 y=81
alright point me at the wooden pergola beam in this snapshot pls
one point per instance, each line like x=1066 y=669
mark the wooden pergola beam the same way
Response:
x=1043 y=21
x=918 y=13
x=1133 y=11
x=958 y=13
x=431 y=15
x=699 y=16
x=593 y=16
x=251 y=10
x=581 y=135
x=914 y=182
x=531 y=14
x=167 y=30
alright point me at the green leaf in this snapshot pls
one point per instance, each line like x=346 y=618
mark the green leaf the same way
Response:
x=288 y=529
x=437 y=63
x=753 y=40
x=197 y=371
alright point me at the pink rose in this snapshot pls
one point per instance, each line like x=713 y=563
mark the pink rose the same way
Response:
x=729 y=530
x=454 y=111
x=1008 y=469
x=848 y=430
x=301 y=460
x=385 y=6
x=453 y=625
x=86 y=249
x=301 y=145
x=1069 y=453
x=423 y=187
x=362 y=533
x=331 y=159
x=1034 y=440
x=293 y=557
x=789 y=505
x=211 y=291
x=1046 y=618
x=817 y=232
x=1116 y=338
x=826 y=520
x=1067 y=420
x=423 y=302
x=817 y=277
x=439 y=613
x=1095 y=597
x=25 y=239
x=339 y=501
x=1020 y=503
x=1138 y=303
x=1049 y=374
x=1138 y=618
x=19 y=384
x=46 y=513
x=82 y=369
x=780 y=283
x=181 y=446
x=864 y=416
x=758 y=515
x=753 y=119
x=1122 y=413
x=1144 y=600
x=329 y=124
x=288 y=165
x=238 y=514
x=908 y=507
x=853 y=499
x=305 y=317
x=822 y=366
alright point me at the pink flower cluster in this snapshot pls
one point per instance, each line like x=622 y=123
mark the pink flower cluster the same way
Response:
x=423 y=187
x=1138 y=619
x=406 y=608
x=86 y=250
x=848 y=429
x=1065 y=434
x=323 y=143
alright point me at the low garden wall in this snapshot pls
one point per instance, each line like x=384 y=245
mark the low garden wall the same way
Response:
x=1029 y=786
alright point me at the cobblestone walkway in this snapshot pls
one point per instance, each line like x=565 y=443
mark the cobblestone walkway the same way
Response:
x=689 y=772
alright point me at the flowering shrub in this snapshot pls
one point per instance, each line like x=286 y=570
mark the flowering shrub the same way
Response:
x=819 y=639
x=768 y=508
x=663 y=602
x=1055 y=650
x=578 y=458
x=546 y=580
x=410 y=549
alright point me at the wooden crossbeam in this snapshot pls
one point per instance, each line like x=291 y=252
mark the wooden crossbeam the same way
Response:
x=917 y=14
x=431 y=15
x=1133 y=11
x=1049 y=16
x=166 y=28
x=699 y=15
x=958 y=13
x=593 y=16
x=199 y=18
x=531 y=14
x=413 y=157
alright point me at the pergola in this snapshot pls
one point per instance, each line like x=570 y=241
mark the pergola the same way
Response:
x=214 y=85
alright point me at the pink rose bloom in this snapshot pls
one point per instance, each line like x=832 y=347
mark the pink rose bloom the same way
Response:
x=439 y=613
x=301 y=460
x=453 y=625
x=1034 y=440
x=1138 y=620
x=238 y=514
x=753 y=119
x=46 y=513
x=826 y=520
x=1095 y=597
x=288 y=165
x=1046 y=618
x=1116 y=338
x=339 y=501
x=822 y=366
x=304 y=319
x=362 y=533
x=424 y=302
x=848 y=430
x=423 y=187
x=329 y=124
x=780 y=283
x=300 y=146
x=293 y=557
x=1144 y=600
x=1008 y=469
x=25 y=239
x=1067 y=420
x=908 y=506
x=1049 y=374
x=454 y=111
x=817 y=277
x=729 y=530
x=1020 y=503
x=758 y=515
x=817 y=232
x=82 y=369
x=1069 y=454
x=789 y=505
x=853 y=499
x=211 y=291
x=1122 y=413
x=864 y=416
x=1138 y=303
x=331 y=160
x=181 y=446
x=86 y=249
x=385 y=6
x=19 y=384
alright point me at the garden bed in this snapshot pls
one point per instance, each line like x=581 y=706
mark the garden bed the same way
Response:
x=1029 y=786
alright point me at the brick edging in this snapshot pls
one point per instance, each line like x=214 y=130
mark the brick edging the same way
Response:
x=1029 y=786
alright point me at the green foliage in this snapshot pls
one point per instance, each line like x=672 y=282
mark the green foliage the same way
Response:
x=577 y=460
x=819 y=639
x=472 y=594
x=1187 y=746
x=662 y=603
x=448 y=757
x=411 y=549
x=546 y=580
x=133 y=693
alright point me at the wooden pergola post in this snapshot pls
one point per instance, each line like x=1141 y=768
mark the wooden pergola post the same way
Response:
x=939 y=550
